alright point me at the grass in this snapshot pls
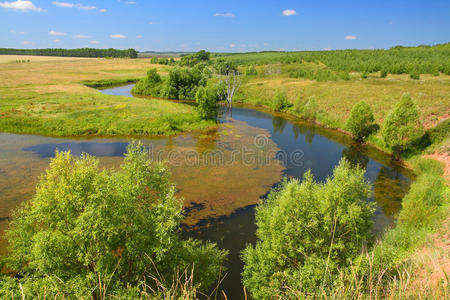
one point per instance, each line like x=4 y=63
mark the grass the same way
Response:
x=52 y=98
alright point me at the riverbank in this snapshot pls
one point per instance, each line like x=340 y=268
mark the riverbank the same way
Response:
x=54 y=98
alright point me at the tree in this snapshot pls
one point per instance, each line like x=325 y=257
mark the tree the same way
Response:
x=206 y=98
x=361 y=121
x=280 y=102
x=120 y=226
x=402 y=127
x=306 y=230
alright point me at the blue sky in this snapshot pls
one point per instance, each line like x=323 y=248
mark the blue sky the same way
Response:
x=231 y=26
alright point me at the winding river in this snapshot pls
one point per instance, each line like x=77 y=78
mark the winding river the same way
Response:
x=221 y=173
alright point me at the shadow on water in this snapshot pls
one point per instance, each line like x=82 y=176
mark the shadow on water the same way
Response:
x=320 y=150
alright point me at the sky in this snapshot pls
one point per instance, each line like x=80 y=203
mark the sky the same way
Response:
x=223 y=26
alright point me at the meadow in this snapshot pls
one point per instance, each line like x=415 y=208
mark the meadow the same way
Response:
x=50 y=96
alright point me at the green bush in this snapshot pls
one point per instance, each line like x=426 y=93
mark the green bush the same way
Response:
x=383 y=73
x=415 y=75
x=206 y=99
x=306 y=231
x=251 y=71
x=310 y=109
x=119 y=227
x=280 y=102
x=361 y=121
x=402 y=127
x=150 y=85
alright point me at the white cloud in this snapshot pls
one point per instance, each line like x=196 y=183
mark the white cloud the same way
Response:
x=74 y=5
x=117 y=36
x=227 y=15
x=289 y=12
x=102 y=10
x=17 y=32
x=139 y=36
x=350 y=37
x=130 y=2
x=56 y=41
x=52 y=32
x=21 y=5
x=152 y=23
x=326 y=49
x=27 y=42
x=232 y=45
x=81 y=36
x=94 y=42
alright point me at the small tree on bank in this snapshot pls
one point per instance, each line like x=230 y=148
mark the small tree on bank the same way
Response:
x=402 y=127
x=361 y=121
x=206 y=99
x=306 y=231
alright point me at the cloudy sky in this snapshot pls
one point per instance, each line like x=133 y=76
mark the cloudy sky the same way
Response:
x=231 y=26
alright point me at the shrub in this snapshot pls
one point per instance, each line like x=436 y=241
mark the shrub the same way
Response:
x=415 y=75
x=402 y=127
x=383 y=73
x=84 y=224
x=182 y=83
x=280 y=102
x=306 y=230
x=207 y=107
x=150 y=85
x=361 y=121
x=251 y=71
x=310 y=109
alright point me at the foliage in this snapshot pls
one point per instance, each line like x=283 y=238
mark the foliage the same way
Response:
x=224 y=66
x=402 y=127
x=280 y=102
x=151 y=85
x=251 y=70
x=306 y=230
x=109 y=82
x=206 y=99
x=310 y=109
x=182 y=83
x=123 y=225
x=81 y=52
x=194 y=59
x=424 y=59
x=414 y=75
x=361 y=121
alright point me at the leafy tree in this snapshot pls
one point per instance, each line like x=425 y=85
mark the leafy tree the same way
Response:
x=120 y=226
x=361 y=121
x=280 y=102
x=150 y=85
x=182 y=83
x=224 y=67
x=206 y=98
x=402 y=127
x=306 y=231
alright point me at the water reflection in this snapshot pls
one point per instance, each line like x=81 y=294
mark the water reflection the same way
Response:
x=356 y=155
x=92 y=148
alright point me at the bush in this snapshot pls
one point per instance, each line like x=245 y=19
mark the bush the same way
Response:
x=280 y=102
x=383 y=73
x=206 y=98
x=122 y=226
x=150 y=85
x=182 y=83
x=402 y=127
x=310 y=109
x=361 y=121
x=251 y=71
x=306 y=231
x=415 y=75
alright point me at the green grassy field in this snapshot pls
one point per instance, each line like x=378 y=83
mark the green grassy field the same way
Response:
x=50 y=97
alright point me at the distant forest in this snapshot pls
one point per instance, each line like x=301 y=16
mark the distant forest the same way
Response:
x=81 y=52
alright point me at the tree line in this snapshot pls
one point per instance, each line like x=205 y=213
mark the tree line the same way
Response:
x=80 y=52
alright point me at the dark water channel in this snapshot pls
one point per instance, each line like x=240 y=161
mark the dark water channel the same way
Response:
x=224 y=213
